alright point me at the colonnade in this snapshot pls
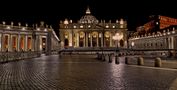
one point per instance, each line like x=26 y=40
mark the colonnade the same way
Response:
x=92 y=39
x=21 y=42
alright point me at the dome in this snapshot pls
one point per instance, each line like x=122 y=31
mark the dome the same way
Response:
x=88 y=18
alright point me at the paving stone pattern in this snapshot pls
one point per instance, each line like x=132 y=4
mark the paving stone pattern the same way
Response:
x=81 y=73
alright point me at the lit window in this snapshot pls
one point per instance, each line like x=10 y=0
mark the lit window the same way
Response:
x=107 y=26
x=38 y=29
x=99 y=34
x=23 y=28
x=74 y=26
x=3 y=23
x=66 y=26
x=157 y=23
x=113 y=26
x=8 y=27
x=45 y=29
x=168 y=32
x=117 y=21
x=173 y=31
x=89 y=26
x=132 y=43
x=89 y=35
x=81 y=26
x=71 y=21
x=66 y=36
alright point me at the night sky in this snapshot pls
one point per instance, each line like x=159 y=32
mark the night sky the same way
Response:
x=51 y=12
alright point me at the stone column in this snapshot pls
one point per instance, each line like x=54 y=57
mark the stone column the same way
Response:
x=18 y=42
x=74 y=40
x=77 y=39
x=3 y=39
x=32 y=44
x=126 y=46
x=111 y=40
x=97 y=40
x=84 y=40
x=25 y=43
x=48 y=43
x=70 y=38
x=169 y=43
x=102 y=39
x=175 y=44
x=86 y=36
x=172 y=42
x=37 y=43
x=3 y=42
x=91 y=41
x=165 y=43
x=10 y=42
x=0 y=42
x=118 y=42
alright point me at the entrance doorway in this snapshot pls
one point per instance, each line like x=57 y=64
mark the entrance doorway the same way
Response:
x=43 y=44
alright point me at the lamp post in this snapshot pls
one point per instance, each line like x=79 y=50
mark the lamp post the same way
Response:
x=117 y=37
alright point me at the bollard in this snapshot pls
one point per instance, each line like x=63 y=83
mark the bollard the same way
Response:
x=97 y=56
x=110 y=59
x=116 y=60
x=100 y=56
x=103 y=57
x=140 y=61
x=126 y=60
x=158 y=62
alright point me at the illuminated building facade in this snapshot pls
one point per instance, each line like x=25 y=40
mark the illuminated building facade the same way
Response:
x=156 y=23
x=90 y=32
x=24 y=38
x=156 y=34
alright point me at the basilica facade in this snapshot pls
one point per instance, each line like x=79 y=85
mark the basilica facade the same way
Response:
x=90 y=32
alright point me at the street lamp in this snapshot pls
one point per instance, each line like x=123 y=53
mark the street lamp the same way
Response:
x=117 y=38
x=132 y=44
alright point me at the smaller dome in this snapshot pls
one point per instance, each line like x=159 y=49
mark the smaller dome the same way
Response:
x=66 y=21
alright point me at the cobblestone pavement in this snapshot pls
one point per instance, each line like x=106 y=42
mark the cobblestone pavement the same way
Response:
x=81 y=73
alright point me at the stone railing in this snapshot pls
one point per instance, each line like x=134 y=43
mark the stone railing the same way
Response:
x=12 y=56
